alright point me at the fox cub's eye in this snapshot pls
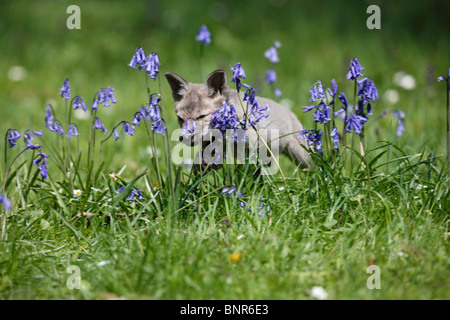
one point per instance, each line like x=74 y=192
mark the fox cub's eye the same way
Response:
x=201 y=117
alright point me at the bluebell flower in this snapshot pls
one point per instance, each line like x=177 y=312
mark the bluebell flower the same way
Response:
x=51 y=123
x=271 y=76
x=33 y=146
x=99 y=125
x=105 y=96
x=65 y=90
x=120 y=189
x=262 y=209
x=399 y=116
x=152 y=113
x=38 y=133
x=238 y=73
x=344 y=109
x=159 y=126
x=99 y=99
x=73 y=131
x=152 y=65
x=334 y=87
x=41 y=162
x=364 y=102
x=49 y=119
x=227 y=191
x=203 y=35
x=154 y=110
x=28 y=138
x=108 y=96
x=188 y=127
x=272 y=54
x=57 y=127
x=250 y=95
x=137 y=119
x=313 y=137
x=128 y=128
x=116 y=135
x=133 y=192
x=145 y=112
x=278 y=93
x=255 y=113
x=316 y=92
x=309 y=108
x=367 y=89
x=78 y=103
x=442 y=78
x=322 y=114
x=225 y=117
x=355 y=69
x=217 y=156
x=6 y=202
x=337 y=113
x=13 y=136
x=344 y=100
x=138 y=59
x=333 y=91
x=335 y=137
x=355 y=122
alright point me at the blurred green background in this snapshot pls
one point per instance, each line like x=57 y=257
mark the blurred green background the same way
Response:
x=318 y=40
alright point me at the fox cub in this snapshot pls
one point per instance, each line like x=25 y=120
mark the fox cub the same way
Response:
x=198 y=102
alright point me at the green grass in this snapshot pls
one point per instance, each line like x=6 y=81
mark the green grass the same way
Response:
x=327 y=236
x=324 y=228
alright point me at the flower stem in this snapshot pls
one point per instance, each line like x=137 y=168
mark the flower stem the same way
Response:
x=264 y=142
x=6 y=157
x=351 y=155
x=363 y=152
x=68 y=119
x=167 y=150
x=201 y=59
x=152 y=139
x=327 y=137
x=91 y=147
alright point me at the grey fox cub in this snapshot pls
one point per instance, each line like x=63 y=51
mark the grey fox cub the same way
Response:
x=197 y=102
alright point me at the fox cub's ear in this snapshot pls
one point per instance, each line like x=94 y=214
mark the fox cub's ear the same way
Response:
x=178 y=84
x=217 y=83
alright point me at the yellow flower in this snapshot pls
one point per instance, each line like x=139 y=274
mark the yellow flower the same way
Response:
x=235 y=257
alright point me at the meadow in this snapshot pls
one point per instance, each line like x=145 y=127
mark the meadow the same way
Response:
x=116 y=219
